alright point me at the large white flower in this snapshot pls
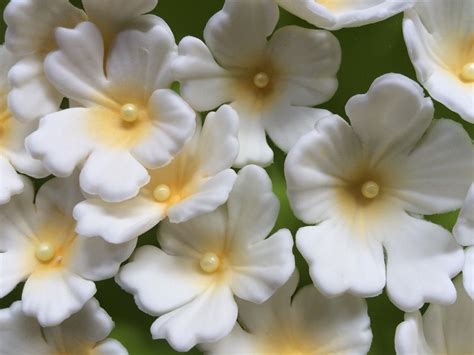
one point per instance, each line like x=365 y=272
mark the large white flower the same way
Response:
x=269 y=83
x=464 y=233
x=207 y=261
x=366 y=185
x=84 y=333
x=30 y=35
x=307 y=323
x=336 y=14
x=13 y=154
x=197 y=181
x=130 y=120
x=38 y=245
x=439 y=35
x=443 y=330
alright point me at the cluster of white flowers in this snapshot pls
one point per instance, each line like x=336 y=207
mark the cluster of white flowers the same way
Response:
x=128 y=152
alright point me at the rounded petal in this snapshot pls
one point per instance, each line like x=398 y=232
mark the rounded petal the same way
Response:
x=12 y=183
x=109 y=347
x=463 y=231
x=409 y=336
x=237 y=342
x=468 y=271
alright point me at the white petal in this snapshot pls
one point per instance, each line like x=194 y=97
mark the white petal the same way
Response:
x=11 y=183
x=15 y=268
x=208 y=318
x=409 y=336
x=160 y=282
x=468 y=271
x=198 y=72
x=15 y=328
x=463 y=231
x=173 y=125
x=55 y=295
x=422 y=257
x=61 y=141
x=117 y=222
x=263 y=267
x=340 y=261
x=308 y=61
x=113 y=175
x=238 y=342
x=109 y=347
x=237 y=35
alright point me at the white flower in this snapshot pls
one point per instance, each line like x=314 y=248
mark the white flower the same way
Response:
x=364 y=186
x=439 y=36
x=129 y=121
x=30 y=35
x=38 y=245
x=197 y=181
x=308 y=323
x=463 y=231
x=336 y=14
x=206 y=261
x=84 y=333
x=442 y=329
x=269 y=83
x=13 y=154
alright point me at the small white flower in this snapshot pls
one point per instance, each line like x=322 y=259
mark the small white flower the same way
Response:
x=441 y=330
x=364 y=186
x=336 y=14
x=130 y=120
x=208 y=260
x=197 y=181
x=307 y=323
x=38 y=245
x=269 y=83
x=84 y=333
x=30 y=35
x=13 y=154
x=439 y=36
x=463 y=231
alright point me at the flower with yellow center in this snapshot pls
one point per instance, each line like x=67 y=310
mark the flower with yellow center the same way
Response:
x=440 y=39
x=362 y=186
x=129 y=120
x=208 y=260
x=304 y=324
x=83 y=333
x=272 y=84
x=38 y=245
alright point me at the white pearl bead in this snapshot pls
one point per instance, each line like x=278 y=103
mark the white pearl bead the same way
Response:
x=44 y=252
x=370 y=189
x=467 y=72
x=209 y=262
x=129 y=113
x=161 y=193
x=261 y=80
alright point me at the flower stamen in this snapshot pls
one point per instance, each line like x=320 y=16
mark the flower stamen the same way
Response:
x=467 y=72
x=45 y=252
x=370 y=189
x=209 y=262
x=261 y=80
x=162 y=193
x=129 y=113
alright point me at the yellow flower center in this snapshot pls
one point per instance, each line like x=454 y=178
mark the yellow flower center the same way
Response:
x=261 y=80
x=210 y=262
x=467 y=72
x=370 y=189
x=162 y=193
x=129 y=113
x=45 y=252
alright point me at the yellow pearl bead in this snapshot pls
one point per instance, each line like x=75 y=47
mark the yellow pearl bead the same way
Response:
x=161 y=193
x=209 y=262
x=44 y=252
x=370 y=189
x=467 y=73
x=261 y=80
x=129 y=113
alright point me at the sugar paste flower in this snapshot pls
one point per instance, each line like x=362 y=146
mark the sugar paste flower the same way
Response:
x=38 y=245
x=308 y=323
x=206 y=261
x=365 y=187
x=30 y=35
x=464 y=233
x=130 y=120
x=336 y=14
x=441 y=330
x=439 y=36
x=84 y=333
x=269 y=83
x=197 y=181
x=13 y=154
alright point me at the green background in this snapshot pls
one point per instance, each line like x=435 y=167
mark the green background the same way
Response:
x=367 y=52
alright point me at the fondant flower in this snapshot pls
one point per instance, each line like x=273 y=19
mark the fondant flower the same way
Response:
x=337 y=14
x=441 y=330
x=38 y=245
x=365 y=187
x=207 y=261
x=30 y=35
x=464 y=233
x=439 y=36
x=13 y=154
x=197 y=181
x=269 y=83
x=84 y=333
x=307 y=323
x=129 y=121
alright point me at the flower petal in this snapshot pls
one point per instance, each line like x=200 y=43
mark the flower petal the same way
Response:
x=237 y=342
x=109 y=347
x=463 y=231
x=409 y=336
x=468 y=271
x=11 y=183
